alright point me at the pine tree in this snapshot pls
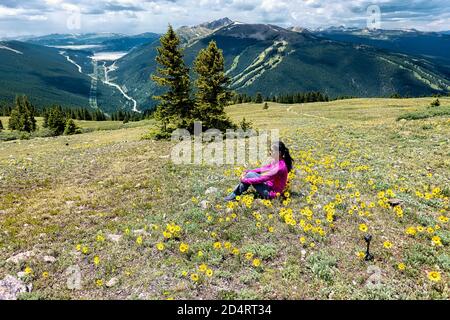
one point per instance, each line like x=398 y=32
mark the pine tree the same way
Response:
x=174 y=110
x=259 y=98
x=212 y=93
x=70 y=128
x=22 y=116
x=45 y=116
x=56 y=120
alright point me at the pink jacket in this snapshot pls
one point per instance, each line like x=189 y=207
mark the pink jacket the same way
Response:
x=274 y=175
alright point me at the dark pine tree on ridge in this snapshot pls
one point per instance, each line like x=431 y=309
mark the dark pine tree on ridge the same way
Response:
x=212 y=94
x=174 y=110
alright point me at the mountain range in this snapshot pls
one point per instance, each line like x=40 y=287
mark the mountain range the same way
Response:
x=434 y=46
x=112 y=71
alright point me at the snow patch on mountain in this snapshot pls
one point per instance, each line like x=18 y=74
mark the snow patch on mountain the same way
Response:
x=269 y=59
x=10 y=49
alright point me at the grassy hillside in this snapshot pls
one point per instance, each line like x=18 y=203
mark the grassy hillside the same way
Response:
x=102 y=200
x=42 y=74
x=85 y=126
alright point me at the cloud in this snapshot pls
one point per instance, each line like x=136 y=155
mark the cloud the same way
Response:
x=134 y=16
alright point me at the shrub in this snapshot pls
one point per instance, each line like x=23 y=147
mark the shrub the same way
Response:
x=156 y=134
x=431 y=113
x=323 y=266
x=9 y=136
x=435 y=103
x=245 y=125
x=71 y=128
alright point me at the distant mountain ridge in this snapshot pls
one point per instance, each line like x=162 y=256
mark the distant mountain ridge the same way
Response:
x=434 y=46
x=99 y=41
x=274 y=60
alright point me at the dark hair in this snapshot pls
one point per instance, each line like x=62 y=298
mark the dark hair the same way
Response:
x=285 y=155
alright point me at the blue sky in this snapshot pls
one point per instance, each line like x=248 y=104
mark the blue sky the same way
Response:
x=136 y=16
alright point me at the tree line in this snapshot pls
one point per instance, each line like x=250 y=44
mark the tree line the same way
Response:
x=83 y=114
x=301 y=97
x=59 y=120
x=23 y=118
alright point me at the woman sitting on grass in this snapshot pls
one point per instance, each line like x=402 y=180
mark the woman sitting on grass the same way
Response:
x=269 y=181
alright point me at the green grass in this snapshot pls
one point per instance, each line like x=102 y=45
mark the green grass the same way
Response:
x=85 y=126
x=61 y=193
x=429 y=113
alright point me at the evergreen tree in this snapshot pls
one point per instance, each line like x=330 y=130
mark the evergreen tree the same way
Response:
x=22 y=116
x=70 y=128
x=45 y=116
x=56 y=120
x=212 y=93
x=174 y=110
x=266 y=106
x=259 y=98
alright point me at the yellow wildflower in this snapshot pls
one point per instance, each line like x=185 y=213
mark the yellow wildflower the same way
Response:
x=434 y=276
x=363 y=227
x=256 y=263
x=387 y=244
x=184 y=247
x=194 y=277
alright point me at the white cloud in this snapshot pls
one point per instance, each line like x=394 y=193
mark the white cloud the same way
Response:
x=134 y=16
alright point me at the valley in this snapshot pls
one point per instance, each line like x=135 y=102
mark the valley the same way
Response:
x=259 y=58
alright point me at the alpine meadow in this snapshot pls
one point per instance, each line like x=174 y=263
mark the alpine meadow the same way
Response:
x=350 y=200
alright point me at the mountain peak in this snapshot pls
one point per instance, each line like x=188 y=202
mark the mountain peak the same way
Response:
x=260 y=32
x=190 y=34
x=299 y=30
x=216 y=24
